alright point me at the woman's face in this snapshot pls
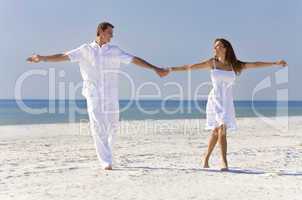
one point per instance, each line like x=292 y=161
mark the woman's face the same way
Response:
x=219 y=49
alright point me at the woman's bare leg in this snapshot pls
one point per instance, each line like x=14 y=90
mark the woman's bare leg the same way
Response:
x=223 y=147
x=211 y=145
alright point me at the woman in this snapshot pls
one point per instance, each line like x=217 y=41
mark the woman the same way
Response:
x=220 y=108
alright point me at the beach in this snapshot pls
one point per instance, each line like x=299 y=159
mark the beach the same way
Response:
x=153 y=159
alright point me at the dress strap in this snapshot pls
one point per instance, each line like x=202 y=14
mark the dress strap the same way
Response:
x=214 y=64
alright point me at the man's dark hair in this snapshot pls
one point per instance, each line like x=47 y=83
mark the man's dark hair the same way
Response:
x=103 y=26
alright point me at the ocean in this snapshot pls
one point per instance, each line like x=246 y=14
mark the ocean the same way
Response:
x=62 y=111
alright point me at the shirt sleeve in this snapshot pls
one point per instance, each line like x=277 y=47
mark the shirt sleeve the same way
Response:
x=76 y=55
x=124 y=57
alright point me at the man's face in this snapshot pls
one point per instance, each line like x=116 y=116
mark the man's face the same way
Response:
x=107 y=34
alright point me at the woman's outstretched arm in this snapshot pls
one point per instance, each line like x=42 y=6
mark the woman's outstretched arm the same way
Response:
x=249 y=65
x=201 y=65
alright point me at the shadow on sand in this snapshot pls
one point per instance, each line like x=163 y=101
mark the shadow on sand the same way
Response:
x=231 y=170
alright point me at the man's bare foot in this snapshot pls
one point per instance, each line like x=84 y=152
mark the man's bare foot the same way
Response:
x=108 y=168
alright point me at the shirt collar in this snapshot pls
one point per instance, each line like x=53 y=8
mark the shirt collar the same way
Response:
x=96 y=45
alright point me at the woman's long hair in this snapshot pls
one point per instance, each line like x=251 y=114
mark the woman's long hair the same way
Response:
x=230 y=56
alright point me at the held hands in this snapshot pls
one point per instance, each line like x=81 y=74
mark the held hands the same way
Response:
x=162 y=72
x=281 y=62
x=34 y=58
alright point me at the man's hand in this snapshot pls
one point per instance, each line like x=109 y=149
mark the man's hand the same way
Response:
x=281 y=62
x=35 y=59
x=51 y=58
x=159 y=71
x=162 y=72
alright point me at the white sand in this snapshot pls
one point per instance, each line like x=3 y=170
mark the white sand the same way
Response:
x=153 y=160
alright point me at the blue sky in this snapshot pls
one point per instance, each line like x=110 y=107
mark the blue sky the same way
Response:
x=166 y=33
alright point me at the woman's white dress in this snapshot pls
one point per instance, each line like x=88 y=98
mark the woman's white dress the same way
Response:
x=220 y=106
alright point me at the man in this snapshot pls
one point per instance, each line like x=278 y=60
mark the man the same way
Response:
x=99 y=65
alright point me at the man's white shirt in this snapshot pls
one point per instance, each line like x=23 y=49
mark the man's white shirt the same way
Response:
x=99 y=66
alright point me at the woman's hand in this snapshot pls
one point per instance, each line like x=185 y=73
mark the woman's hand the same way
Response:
x=281 y=62
x=162 y=72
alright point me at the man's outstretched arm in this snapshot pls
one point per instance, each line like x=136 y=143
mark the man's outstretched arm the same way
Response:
x=142 y=63
x=51 y=58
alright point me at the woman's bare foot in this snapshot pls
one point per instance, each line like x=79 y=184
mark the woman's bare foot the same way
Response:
x=224 y=169
x=205 y=163
x=108 y=168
